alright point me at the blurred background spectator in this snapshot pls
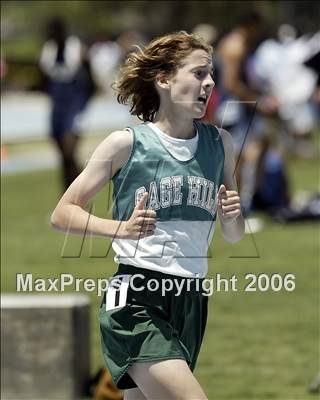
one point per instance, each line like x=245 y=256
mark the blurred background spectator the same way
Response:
x=106 y=55
x=279 y=69
x=64 y=63
x=238 y=109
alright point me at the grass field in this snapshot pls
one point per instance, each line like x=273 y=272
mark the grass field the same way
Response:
x=258 y=345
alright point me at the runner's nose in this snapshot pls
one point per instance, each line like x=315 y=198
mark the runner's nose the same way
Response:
x=209 y=82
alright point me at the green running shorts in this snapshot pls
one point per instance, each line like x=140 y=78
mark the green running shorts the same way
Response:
x=140 y=321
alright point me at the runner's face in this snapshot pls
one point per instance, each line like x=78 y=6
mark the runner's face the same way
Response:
x=191 y=86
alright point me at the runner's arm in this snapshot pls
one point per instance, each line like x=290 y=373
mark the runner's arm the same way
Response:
x=229 y=209
x=69 y=214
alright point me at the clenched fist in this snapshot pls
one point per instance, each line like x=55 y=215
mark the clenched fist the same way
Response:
x=229 y=207
x=142 y=222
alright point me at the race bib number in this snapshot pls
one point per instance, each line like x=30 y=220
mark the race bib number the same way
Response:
x=117 y=292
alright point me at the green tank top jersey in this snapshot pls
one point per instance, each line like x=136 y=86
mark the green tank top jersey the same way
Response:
x=178 y=190
x=183 y=194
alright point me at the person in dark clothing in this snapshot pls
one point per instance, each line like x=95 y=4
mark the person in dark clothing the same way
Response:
x=242 y=109
x=69 y=86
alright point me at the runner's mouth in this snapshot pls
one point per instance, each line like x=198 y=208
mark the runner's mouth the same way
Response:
x=203 y=99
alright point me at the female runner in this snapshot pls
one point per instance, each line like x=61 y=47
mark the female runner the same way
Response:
x=171 y=176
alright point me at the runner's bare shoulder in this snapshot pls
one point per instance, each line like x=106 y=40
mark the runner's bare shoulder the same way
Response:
x=115 y=149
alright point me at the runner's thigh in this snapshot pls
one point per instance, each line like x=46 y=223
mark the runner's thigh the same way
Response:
x=168 y=379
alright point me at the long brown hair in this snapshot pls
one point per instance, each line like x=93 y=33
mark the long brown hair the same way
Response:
x=136 y=82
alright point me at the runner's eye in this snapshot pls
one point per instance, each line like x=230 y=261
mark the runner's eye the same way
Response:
x=200 y=74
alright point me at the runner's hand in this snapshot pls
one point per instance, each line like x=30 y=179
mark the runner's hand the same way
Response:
x=142 y=222
x=229 y=207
